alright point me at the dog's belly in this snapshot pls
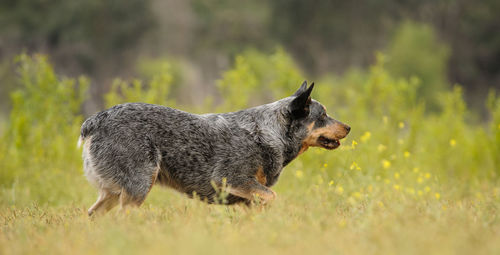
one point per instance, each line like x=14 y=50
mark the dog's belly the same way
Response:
x=203 y=189
x=189 y=183
x=165 y=179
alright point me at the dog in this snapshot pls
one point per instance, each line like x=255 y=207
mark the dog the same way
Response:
x=130 y=147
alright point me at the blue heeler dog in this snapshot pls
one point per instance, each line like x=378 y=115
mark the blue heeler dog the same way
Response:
x=130 y=147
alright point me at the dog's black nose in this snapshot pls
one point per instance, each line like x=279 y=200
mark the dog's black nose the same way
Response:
x=348 y=129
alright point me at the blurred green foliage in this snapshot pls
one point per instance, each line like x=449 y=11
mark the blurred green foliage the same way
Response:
x=37 y=148
x=157 y=90
x=104 y=38
x=493 y=104
x=258 y=78
x=416 y=52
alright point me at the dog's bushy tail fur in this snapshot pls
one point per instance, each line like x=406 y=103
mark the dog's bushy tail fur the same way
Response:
x=89 y=126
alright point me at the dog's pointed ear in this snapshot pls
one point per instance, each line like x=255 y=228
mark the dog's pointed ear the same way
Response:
x=302 y=88
x=299 y=107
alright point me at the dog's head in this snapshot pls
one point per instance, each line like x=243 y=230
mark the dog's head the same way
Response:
x=310 y=120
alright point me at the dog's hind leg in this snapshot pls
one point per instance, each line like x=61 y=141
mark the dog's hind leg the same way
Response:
x=105 y=202
x=127 y=200
x=135 y=195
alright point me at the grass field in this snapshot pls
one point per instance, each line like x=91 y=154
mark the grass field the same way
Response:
x=300 y=221
x=307 y=217
x=405 y=181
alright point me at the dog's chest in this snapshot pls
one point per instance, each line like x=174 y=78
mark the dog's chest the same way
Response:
x=268 y=178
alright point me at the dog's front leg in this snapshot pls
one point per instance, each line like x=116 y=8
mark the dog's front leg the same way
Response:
x=252 y=190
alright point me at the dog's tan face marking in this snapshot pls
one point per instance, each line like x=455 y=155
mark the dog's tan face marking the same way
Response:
x=326 y=137
x=305 y=144
x=261 y=176
x=332 y=131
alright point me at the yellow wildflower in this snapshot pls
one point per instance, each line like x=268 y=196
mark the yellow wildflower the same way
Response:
x=342 y=223
x=453 y=142
x=299 y=174
x=427 y=189
x=407 y=154
x=357 y=195
x=416 y=169
x=366 y=136
x=396 y=187
x=427 y=175
x=339 y=190
x=354 y=165
x=325 y=165
x=330 y=183
x=386 y=163
x=381 y=147
x=354 y=143
x=420 y=193
x=380 y=204
x=401 y=125
x=479 y=195
x=437 y=195
x=420 y=180
x=396 y=175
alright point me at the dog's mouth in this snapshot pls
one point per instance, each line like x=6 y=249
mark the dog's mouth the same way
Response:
x=328 y=143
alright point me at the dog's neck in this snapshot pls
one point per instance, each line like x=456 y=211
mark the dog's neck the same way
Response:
x=285 y=147
x=269 y=127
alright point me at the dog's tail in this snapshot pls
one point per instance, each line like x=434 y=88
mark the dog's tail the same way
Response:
x=89 y=126
x=79 y=143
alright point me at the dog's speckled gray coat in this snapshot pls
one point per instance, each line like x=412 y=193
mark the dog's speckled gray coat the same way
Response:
x=130 y=144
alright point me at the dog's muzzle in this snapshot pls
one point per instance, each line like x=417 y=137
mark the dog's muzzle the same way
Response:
x=328 y=143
